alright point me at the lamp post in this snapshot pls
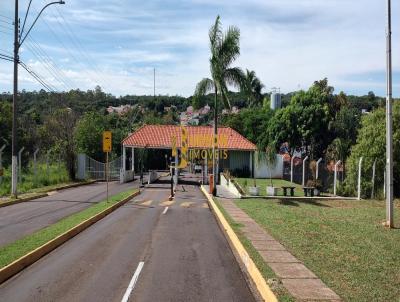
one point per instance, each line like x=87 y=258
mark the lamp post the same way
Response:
x=18 y=41
x=389 y=121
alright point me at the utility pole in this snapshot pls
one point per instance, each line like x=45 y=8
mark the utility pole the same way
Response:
x=18 y=41
x=389 y=121
x=14 y=177
x=215 y=143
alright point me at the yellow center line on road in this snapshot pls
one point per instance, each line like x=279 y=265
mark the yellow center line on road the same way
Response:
x=187 y=204
x=146 y=203
x=167 y=203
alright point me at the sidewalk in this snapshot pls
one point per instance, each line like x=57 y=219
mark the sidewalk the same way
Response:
x=300 y=282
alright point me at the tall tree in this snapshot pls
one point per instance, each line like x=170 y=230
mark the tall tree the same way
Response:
x=252 y=87
x=304 y=122
x=225 y=49
x=58 y=128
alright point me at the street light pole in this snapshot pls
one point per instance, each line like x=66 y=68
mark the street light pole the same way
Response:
x=15 y=98
x=18 y=40
x=389 y=121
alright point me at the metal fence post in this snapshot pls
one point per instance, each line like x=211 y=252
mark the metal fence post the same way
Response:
x=373 y=179
x=359 y=178
x=291 y=168
x=304 y=171
x=20 y=164
x=335 y=177
x=1 y=163
x=317 y=169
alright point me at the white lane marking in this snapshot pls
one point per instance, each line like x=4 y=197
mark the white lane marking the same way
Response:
x=165 y=210
x=132 y=284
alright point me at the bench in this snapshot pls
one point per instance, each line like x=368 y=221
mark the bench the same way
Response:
x=285 y=188
x=308 y=191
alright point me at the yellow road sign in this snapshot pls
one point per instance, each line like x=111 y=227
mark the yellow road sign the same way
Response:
x=107 y=141
x=173 y=142
x=184 y=148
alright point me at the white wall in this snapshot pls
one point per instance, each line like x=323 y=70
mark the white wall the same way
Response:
x=263 y=171
x=126 y=176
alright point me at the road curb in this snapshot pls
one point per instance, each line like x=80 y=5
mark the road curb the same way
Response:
x=30 y=258
x=17 y=201
x=45 y=194
x=79 y=184
x=252 y=271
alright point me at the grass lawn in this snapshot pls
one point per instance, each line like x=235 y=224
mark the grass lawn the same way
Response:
x=343 y=242
x=19 y=248
x=280 y=292
x=30 y=183
x=263 y=183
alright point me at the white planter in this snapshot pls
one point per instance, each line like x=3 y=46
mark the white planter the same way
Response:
x=317 y=192
x=254 y=191
x=272 y=191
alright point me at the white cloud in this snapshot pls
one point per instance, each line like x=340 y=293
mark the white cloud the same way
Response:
x=289 y=43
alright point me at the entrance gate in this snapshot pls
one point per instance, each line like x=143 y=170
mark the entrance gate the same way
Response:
x=97 y=170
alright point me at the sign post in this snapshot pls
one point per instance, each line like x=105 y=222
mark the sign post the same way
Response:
x=107 y=142
x=173 y=166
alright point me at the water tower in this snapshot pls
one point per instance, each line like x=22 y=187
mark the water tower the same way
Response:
x=276 y=102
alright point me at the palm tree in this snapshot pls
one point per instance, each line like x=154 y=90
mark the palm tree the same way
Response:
x=224 y=51
x=252 y=87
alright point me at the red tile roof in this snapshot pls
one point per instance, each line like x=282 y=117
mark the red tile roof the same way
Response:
x=160 y=136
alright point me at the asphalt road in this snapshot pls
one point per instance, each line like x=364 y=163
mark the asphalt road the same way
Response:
x=19 y=220
x=152 y=248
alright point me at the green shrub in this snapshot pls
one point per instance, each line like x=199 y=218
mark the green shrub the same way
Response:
x=371 y=145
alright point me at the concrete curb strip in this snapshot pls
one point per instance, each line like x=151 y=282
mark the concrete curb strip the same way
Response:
x=263 y=289
x=11 y=202
x=30 y=258
x=79 y=184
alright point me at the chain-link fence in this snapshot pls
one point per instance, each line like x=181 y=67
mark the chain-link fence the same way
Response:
x=97 y=170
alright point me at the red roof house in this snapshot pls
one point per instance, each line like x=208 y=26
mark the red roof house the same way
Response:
x=199 y=137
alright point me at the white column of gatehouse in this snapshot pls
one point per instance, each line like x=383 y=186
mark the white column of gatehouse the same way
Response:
x=133 y=159
x=124 y=159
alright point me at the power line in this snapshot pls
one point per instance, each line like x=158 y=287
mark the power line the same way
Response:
x=59 y=71
x=45 y=64
x=7 y=33
x=42 y=56
x=7 y=52
x=2 y=16
x=5 y=27
x=73 y=57
x=48 y=87
x=7 y=58
x=6 y=22
x=78 y=45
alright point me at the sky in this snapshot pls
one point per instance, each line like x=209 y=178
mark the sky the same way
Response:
x=116 y=44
